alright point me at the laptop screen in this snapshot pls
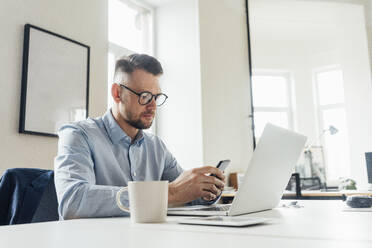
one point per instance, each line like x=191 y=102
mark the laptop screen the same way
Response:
x=369 y=166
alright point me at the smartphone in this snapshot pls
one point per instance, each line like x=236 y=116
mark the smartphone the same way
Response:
x=222 y=165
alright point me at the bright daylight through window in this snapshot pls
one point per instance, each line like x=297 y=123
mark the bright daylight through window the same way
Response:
x=271 y=100
x=129 y=31
x=331 y=112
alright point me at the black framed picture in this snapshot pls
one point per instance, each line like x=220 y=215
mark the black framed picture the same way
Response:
x=55 y=81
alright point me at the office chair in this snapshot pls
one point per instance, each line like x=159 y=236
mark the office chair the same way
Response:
x=294 y=184
x=27 y=196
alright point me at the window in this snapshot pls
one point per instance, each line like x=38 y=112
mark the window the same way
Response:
x=129 y=25
x=331 y=112
x=129 y=31
x=271 y=100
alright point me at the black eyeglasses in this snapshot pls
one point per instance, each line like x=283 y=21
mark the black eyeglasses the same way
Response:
x=145 y=97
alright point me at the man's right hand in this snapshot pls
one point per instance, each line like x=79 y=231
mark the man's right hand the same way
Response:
x=196 y=183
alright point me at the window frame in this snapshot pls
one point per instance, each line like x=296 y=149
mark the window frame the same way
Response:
x=289 y=109
x=320 y=108
x=117 y=51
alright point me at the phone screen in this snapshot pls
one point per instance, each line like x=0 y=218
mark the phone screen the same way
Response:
x=222 y=165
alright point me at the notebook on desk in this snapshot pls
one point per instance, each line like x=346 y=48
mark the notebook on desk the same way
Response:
x=265 y=179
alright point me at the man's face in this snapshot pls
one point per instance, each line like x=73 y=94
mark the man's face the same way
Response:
x=135 y=114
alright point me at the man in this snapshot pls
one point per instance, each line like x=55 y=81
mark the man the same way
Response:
x=97 y=157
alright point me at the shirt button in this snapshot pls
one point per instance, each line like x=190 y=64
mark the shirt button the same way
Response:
x=134 y=174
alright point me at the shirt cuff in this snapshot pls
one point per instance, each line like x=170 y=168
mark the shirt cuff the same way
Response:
x=201 y=201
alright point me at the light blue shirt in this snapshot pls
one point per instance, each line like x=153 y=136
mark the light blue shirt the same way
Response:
x=96 y=158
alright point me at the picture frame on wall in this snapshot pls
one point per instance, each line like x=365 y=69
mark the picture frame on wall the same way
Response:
x=55 y=82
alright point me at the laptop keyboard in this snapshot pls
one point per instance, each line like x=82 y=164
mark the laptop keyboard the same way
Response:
x=217 y=208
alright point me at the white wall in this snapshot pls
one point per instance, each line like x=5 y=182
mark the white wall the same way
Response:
x=84 y=21
x=203 y=48
x=179 y=121
x=225 y=83
x=302 y=36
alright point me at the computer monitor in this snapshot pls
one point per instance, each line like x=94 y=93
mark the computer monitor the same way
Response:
x=369 y=168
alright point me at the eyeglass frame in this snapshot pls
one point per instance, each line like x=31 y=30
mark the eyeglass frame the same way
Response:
x=140 y=93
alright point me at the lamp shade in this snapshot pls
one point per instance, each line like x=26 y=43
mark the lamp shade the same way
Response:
x=332 y=130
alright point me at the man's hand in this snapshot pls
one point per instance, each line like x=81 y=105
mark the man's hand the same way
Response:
x=196 y=183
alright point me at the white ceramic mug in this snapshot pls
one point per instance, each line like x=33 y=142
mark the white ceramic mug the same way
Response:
x=148 y=201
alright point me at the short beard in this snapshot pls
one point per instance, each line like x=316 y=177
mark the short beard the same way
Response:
x=136 y=123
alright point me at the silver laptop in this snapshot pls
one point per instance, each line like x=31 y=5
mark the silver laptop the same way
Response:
x=265 y=178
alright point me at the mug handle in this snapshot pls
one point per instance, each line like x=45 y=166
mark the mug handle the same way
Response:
x=120 y=205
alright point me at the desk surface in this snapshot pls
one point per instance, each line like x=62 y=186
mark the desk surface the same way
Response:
x=317 y=224
x=330 y=193
x=317 y=193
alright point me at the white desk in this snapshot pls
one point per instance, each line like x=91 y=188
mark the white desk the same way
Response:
x=318 y=224
x=315 y=193
x=318 y=193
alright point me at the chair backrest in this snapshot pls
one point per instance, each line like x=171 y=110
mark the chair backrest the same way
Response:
x=27 y=195
x=48 y=206
x=294 y=184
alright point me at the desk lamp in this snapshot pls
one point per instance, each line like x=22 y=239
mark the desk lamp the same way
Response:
x=309 y=156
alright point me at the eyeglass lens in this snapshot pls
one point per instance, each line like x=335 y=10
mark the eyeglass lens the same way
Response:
x=146 y=98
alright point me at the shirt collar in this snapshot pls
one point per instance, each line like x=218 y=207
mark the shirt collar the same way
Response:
x=117 y=134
